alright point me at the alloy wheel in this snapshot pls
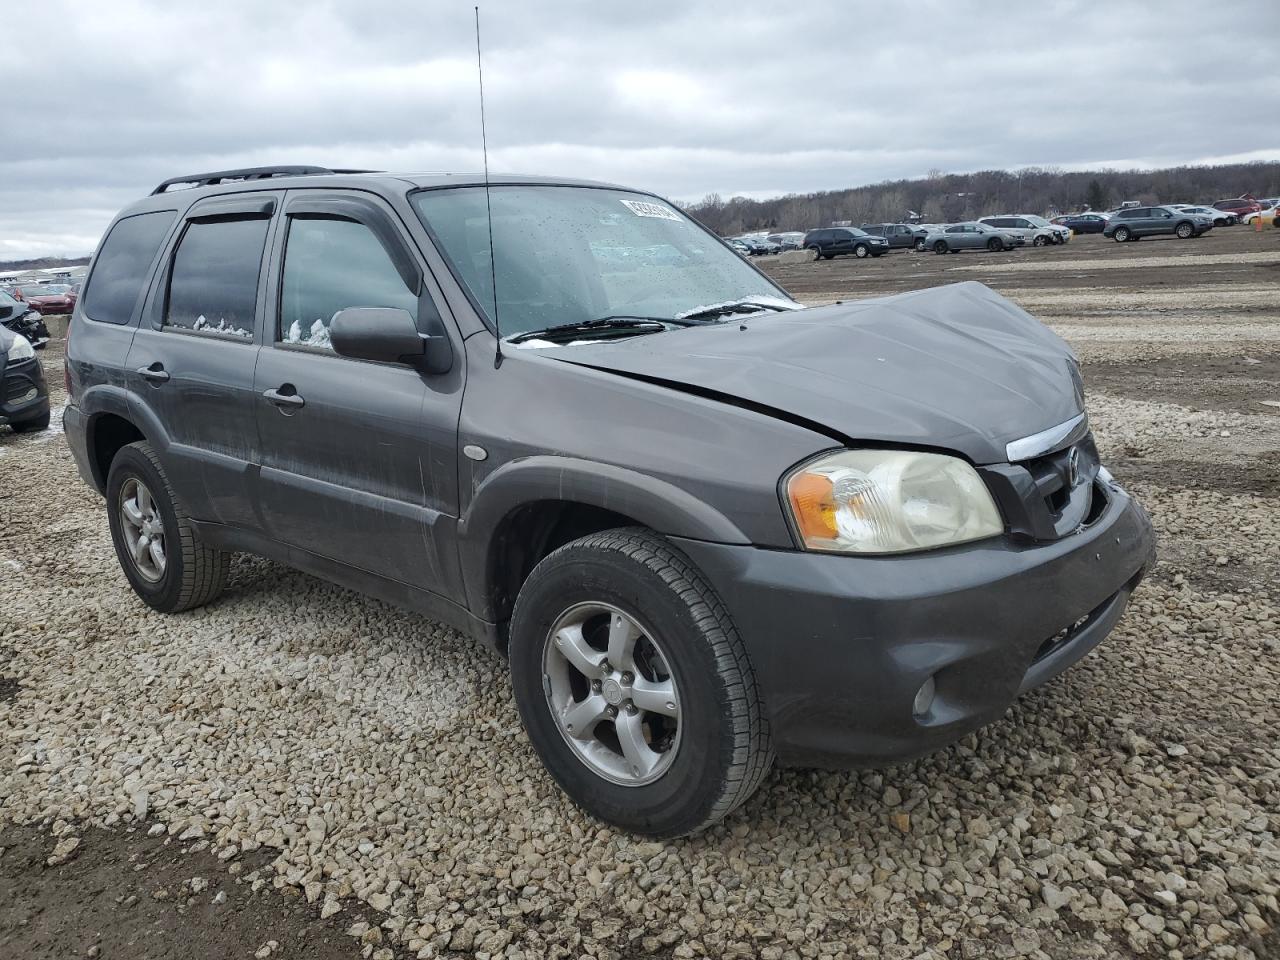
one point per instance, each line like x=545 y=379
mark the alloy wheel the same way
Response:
x=612 y=693
x=143 y=529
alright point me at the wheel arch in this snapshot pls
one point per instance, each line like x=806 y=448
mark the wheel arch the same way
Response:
x=527 y=508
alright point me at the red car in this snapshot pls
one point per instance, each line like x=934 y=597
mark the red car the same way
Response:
x=1239 y=207
x=47 y=298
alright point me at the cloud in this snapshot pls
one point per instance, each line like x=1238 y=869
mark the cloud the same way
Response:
x=684 y=98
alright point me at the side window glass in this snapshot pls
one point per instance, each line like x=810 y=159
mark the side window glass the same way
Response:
x=123 y=264
x=329 y=265
x=213 y=287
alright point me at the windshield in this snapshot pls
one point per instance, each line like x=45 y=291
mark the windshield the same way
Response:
x=575 y=254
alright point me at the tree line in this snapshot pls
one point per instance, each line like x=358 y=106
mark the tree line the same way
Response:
x=948 y=197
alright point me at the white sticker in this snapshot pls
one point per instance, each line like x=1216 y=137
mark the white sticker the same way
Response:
x=643 y=208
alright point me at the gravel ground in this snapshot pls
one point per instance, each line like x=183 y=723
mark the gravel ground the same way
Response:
x=309 y=746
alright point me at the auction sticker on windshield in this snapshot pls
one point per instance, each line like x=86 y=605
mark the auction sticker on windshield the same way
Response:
x=642 y=208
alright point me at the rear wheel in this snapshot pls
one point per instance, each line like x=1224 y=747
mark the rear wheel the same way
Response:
x=1121 y=235
x=861 y=250
x=940 y=246
x=1184 y=230
x=634 y=686
x=162 y=556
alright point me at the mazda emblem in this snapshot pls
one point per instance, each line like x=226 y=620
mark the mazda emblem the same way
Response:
x=1073 y=467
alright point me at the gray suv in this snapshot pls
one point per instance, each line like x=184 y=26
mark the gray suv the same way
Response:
x=710 y=529
x=1138 y=222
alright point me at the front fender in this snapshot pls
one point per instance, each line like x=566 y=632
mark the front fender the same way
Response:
x=654 y=503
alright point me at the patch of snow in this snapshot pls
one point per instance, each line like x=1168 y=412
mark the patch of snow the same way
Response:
x=222 y=326
x=13 y=565
x=317 y=336
x=765 y=302
x=55 y=427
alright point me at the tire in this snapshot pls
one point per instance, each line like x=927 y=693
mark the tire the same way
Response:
x=994 y=244
x=722 y=748
x=921 y=246
x=816 y=251
x=34 y=425
x=861 y=251
x=193 y=573
x=1040 y=241
x=1184 y=230
x=940 y=246
x=1121 y=235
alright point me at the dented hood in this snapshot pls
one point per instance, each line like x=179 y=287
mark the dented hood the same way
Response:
x=956 y=367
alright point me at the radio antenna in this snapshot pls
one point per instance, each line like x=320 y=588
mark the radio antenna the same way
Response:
x=488 y=206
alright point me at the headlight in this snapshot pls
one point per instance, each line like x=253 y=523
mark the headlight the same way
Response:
x=21 y=349
x=889 y=501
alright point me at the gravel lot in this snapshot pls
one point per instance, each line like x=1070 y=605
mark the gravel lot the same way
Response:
x=321 y=755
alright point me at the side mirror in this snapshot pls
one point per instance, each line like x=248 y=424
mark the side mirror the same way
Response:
x=385 y=334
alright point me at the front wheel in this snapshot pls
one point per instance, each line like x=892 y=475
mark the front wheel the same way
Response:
x=34 y=425
x=940 y=246
x=1121 y=235
x=921 y=246
x=162 y=555
x=995 y=244
x=1184 y=231
x=816 y=251
x=861 y=251
x=634 y=686
x=1040 y=241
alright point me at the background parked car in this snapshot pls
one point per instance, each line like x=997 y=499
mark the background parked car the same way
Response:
x=1019 y=226
x=48 y=298
x=1089 y=222
x=759 y=246
x=24 y=395
x=844 y=241
x=1139 y=222
x=1063 y=234
x=1220 y=218
x=1239 y=207
x=901 y=236
x=20 y=318
x=972 y=236
x=791 y=240
x=1266 y=210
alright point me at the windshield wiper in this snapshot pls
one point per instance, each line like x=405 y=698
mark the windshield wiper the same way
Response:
x=633 y=324
x=745 y=305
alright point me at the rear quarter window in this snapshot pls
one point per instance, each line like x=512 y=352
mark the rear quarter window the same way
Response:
x=123 y=265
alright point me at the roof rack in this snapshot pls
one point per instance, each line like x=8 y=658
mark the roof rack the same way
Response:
x=247 y=173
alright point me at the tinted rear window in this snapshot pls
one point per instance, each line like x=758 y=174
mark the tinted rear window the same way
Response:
x=122 y=266
x=214 y=284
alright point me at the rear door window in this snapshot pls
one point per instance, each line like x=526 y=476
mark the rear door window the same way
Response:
x=123 y=265
x=213 y=286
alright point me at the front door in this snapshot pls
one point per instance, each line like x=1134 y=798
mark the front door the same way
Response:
x=192 y=361
x=358 y=458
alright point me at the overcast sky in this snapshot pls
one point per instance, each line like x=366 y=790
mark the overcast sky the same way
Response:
x=102 y=100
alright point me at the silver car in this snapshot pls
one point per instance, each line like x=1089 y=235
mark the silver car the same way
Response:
x=1020 y=225
x=971 y=236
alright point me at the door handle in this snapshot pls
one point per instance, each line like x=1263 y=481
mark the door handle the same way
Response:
x=155 y=373
x=285 y=401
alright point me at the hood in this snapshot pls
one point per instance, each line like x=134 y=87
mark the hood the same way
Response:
x=958 y=368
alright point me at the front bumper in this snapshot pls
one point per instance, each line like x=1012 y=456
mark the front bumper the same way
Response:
x=841 y=644
x=24 y=394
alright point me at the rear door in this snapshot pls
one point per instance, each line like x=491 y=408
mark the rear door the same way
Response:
x=359 y=459
x=192 y=361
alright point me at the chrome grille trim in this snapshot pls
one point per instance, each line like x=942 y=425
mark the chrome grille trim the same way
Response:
x=1046 y=441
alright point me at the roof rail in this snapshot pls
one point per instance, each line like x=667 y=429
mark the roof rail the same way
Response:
x=247 y=173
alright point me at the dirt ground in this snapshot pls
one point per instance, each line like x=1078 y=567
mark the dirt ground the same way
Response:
x=1181 y=350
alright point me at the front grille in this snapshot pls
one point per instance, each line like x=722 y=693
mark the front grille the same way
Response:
x=1050 y=496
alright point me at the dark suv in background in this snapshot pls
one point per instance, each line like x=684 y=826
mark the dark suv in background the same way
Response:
x=709 y=528
x=844 y=242
x=900 y=235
